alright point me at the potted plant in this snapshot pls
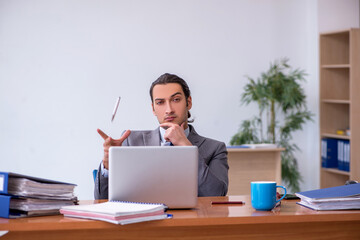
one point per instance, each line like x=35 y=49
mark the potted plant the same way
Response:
x=282 y=110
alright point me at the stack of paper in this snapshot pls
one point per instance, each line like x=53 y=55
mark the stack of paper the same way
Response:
x=259 y=146
x=117 y=212
x=335 y=198
x=38 y=207
x=22 y=195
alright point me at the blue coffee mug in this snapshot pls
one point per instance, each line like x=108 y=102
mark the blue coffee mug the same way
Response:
x=263 y=195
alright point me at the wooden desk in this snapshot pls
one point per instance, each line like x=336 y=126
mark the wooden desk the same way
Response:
x=247 y=165
x=206 y=221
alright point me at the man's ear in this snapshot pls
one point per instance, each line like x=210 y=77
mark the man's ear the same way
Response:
x=189 y=103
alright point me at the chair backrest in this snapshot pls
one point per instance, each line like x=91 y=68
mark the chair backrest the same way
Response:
x=94 y=174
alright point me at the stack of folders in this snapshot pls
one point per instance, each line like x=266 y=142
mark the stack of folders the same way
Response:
x=117 y=212
x=24 y=196
x=334 y=198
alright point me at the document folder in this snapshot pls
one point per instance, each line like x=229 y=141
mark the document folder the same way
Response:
x=5 y=206
x=22 y=195
x=5 y=180
x=334 y=198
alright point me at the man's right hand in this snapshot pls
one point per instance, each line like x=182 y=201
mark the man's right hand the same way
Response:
x=109 y=142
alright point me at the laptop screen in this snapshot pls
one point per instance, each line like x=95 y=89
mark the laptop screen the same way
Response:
x=154 y=174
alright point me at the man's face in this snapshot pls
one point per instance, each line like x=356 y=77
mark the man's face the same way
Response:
x=170 y=104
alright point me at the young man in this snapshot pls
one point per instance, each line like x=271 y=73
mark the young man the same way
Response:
x=171 y=102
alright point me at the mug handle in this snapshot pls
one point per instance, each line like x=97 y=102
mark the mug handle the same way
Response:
x=283 y=195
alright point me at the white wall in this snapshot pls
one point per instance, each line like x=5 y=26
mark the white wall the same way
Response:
x=63 y=63
x=337 y=15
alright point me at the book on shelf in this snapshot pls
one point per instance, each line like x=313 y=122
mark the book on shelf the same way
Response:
x=333 y=198
x=23 y=196
x=329 y=153
x=117 y=212
x=343 y=155
x=335 y=153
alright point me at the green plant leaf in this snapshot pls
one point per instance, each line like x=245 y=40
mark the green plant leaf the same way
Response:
x=277 y=92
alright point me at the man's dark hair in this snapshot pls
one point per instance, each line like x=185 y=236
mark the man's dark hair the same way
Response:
x=171 y=78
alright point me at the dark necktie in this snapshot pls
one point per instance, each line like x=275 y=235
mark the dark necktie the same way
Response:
x=168 y=144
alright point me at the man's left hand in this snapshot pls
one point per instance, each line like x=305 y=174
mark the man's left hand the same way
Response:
x=175 y=134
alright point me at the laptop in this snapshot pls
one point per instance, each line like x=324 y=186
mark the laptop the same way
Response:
x=154 y=174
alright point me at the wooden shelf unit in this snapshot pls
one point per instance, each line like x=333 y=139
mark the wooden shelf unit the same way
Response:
x=340 y=99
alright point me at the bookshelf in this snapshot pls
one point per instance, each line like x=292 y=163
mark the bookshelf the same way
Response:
x=340 y=99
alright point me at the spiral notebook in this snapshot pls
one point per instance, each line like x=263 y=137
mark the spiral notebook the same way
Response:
x=117 y=212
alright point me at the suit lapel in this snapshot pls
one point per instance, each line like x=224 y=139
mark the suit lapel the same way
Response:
x=195 y=138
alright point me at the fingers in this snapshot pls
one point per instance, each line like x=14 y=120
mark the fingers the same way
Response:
x=167 y=125
x=109 y=142
x=102 y=134
x=113 y=142
x=125 y=136
x=175 y=134
x=118 y=142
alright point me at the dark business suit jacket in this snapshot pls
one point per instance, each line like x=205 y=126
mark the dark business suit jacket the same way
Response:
x=213 y=165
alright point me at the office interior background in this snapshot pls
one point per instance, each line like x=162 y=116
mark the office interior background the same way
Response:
x=64 y=63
